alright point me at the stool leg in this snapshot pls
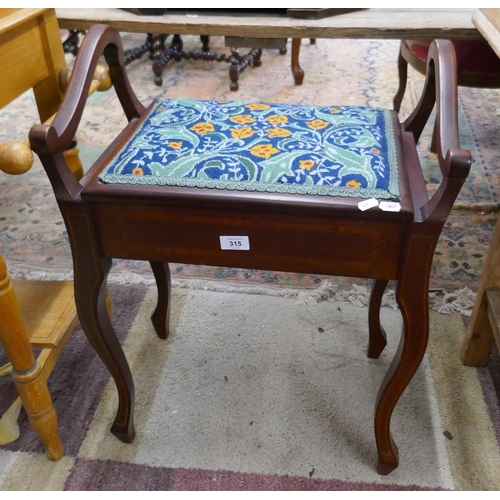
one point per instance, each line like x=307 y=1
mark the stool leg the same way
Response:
x=412 y=297
x=161 y=315
x=403 y=75
x=377 y=336
x=297 y=71
x=91 y=271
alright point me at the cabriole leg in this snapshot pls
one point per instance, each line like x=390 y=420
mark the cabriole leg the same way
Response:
x=161 y=315
x=403 y=74
x=413 y=300
x=91 y=272
x=377 y=336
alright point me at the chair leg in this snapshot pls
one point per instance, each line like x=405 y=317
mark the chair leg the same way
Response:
x=297 y=71
x=412 y=298
x=91 y=271
x=27 y=372
x=479 y=339
x=403 y=75
x=377 y=336
x=161 y=315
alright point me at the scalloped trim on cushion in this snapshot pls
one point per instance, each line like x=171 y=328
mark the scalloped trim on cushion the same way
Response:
x=255 y=146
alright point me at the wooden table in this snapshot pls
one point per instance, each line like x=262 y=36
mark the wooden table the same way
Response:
x=369 y=23
x=484 y=325
x=34 y=313
x=249 y=30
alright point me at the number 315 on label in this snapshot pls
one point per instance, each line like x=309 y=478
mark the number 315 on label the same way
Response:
x=234 y=243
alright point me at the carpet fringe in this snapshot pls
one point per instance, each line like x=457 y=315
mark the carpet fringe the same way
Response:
x=459 y=301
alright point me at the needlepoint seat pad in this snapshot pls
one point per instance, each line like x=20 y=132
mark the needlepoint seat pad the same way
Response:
x=254 y=146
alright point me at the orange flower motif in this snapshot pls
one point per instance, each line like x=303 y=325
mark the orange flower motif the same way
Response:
x=307 y=164
x=159 y=110
x=375 y=150
x=175 y=145
x=317 y=124
x=137 y=171
x=242 y=119
x=242 y=133
x=264 y=150
x=277 y=119
x=278 y=132
x=202 y=128
x=334 y=111
x=258 y=106
x=353 y=184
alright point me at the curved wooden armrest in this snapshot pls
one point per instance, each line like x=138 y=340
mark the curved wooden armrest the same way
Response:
x=440 y=87
x=54 y=138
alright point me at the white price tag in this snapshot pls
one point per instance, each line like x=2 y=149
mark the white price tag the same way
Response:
x=366 y=204
x=234 y=243
x=390 y=206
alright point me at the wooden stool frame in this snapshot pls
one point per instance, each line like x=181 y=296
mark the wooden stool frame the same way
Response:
x=294 y=233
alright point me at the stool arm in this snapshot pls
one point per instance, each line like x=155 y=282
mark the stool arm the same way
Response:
x=54 y=138
x=440 y=88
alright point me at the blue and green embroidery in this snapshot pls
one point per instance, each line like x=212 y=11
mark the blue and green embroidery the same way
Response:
x=332 y=151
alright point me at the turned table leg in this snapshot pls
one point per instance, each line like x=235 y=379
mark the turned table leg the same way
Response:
x=240 y=63
x=161 y=60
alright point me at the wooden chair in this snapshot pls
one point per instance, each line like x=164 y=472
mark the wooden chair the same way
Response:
x=274 y=225
x=477 y=64
x=33 y=314
x=36 y=314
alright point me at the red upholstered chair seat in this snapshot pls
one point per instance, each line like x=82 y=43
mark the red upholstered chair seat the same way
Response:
x=473 y=56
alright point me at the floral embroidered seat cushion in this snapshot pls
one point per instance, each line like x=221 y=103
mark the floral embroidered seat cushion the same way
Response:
x=330 y=150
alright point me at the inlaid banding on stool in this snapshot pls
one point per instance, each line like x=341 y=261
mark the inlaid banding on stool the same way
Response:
x=249 y=146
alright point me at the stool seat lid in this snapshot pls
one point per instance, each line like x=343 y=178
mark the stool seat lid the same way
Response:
x=253 y=146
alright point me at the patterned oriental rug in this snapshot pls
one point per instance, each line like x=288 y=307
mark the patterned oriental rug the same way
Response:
x=337 y=72
x=283 y=401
